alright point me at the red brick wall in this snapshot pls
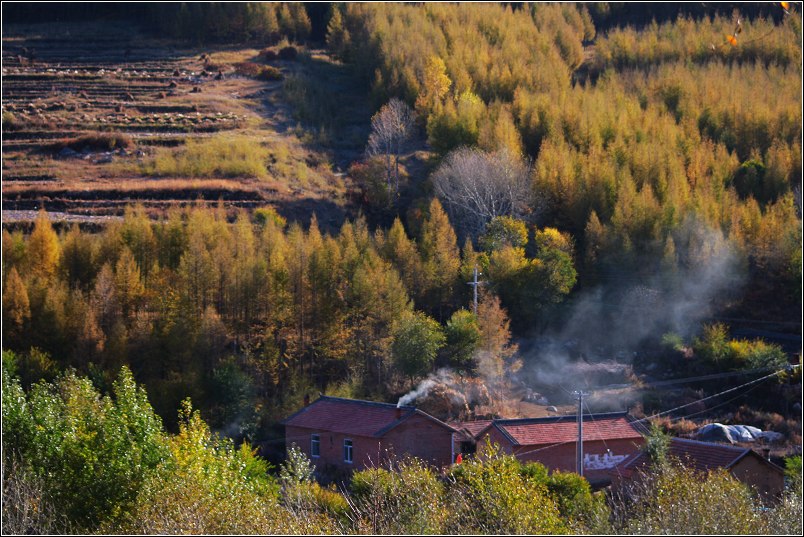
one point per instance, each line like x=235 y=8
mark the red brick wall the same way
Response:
x=365 y=450
x=767 y=481
x=422 y=438
x=562 y=456
x=417 y=436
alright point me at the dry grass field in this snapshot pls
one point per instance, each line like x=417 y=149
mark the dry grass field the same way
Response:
x=97 y=116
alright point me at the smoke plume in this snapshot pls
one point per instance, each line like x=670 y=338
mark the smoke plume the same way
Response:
x=611 y=322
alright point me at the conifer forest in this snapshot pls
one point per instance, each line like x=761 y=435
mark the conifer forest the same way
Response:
x=215 y=212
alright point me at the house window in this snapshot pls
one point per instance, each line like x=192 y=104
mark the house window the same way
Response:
x=315 y=446
x=347 y=451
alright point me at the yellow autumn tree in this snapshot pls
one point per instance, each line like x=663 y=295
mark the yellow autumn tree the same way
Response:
x=44 y=250
x=435 y=85
x=16 y=308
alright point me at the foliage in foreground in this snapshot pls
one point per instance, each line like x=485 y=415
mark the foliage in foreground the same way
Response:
x=675 y=499
x=78 y=460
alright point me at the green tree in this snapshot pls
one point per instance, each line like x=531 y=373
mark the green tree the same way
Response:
x=93 y=452
x=504 y=230
x=462 y=339
x=417 y=340
x=657 y=446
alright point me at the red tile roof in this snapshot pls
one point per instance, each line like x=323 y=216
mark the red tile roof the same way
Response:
x=353 y=416
x=472 y=427
x=556 y=429
x=702 y=456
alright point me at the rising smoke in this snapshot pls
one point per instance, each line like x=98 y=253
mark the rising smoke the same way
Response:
x=608 y=324
x=442 y=376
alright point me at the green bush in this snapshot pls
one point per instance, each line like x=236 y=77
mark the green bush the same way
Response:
x=92 y=452
x=406 y=499
x=490 y=494
x=677 y=499
x=208 y=486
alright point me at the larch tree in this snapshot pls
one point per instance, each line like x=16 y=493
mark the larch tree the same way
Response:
x=496 y=354
x=397 y=248
x=440 y=256
x=44 y=250
x=16 y=308
x=77 y=264
x=338 y=37
x=128 y=282
x=435 y=84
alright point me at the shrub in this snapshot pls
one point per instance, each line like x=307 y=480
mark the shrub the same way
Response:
x=92 y=453
x=407 y=499
x=247 y=68
x=96 y=142
x=489 y=494
x=255 y=70
x=10 y=123
x=676 y=499
x=221 y=156
x=268 y=55
x=208 y=486
x=289 y=53
x=269 y=73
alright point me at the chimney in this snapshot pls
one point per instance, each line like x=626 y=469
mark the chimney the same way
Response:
x=766 y=453
x=306 y=399
x=398 y=413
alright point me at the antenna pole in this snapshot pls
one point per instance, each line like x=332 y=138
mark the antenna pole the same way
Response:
x=474 y=283
x=579 y=445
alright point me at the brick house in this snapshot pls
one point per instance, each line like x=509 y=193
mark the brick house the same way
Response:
x=745 y=464
x=608 y=440
x=343 y=435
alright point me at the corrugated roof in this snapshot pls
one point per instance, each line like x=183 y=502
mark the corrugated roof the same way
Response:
x=556 y=429
x=354 y=416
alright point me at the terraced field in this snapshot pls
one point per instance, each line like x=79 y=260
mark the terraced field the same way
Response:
x=88 y=110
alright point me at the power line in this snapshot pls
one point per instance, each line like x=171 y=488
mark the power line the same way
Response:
x=718 y=394
x=688 y=380
x=647 y=418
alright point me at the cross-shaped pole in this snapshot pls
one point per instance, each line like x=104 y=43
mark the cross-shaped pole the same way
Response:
x=474 y=283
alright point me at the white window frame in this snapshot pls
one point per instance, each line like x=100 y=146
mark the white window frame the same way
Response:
x=315 y=442
x=350 y=452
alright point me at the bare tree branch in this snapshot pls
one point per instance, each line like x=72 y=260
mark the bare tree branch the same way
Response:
x=391 y=127
x=477 y=186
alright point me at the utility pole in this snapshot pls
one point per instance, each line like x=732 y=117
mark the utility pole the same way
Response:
x=474 y=283
x=579 y=445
